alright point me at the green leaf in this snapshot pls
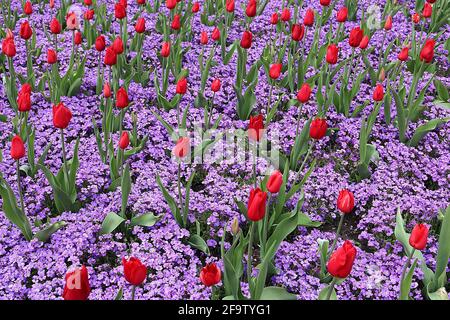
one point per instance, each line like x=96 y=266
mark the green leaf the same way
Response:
x=170 y=202
x=111 y=222
x=442 y=91
x=125 y=188
x=443 y=251
x=305 y=221
x=277 y=293
x=424 y=129
x=188 y=192
x=405 y=285
x=45 y=234
x=324 y=292
x=145 y=220
x=119 y=295
x=197 y=242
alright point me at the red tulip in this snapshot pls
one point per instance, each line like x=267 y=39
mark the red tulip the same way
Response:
x=135 y=272
x=388 y=23
x=431 y=1
x=88 y=2
x=318 y=128
x=100 y=43
x=78 y=38
x=427 y=10
x=107 y=90
x=355 y=37
x=118 y=45
x=250 y=11
x=275 y=181
x=309 y=18
x=120 y=11
x=364 y=42
x=325 y=2
x=427 y=52
x=341 y=261
x=210 y=275
x=203 y=38
x=416 y=18
x=28 y=8
x=182 y=86
x=332 y=54
x=25 y=30
x=165 y=50
x=9 y=47
x=378 y=93
x=77 y=285
x=124 y=140
x=121 y=98
x=171 y=4
x=176 y=23
x=61 y=116
x=274 y=18
x=215 y=85
x=246 y=40
x=342 y=15
x=286 y=15
x=345 y=201
x=403 y=55
x=110 y=56
x=182 y=147
x=275 y=70
x=89 y=14
x=17 y=148
x=124 y=3
x=24 y=101
x=51 y=56
x=195 y=7
x=304 y=93
x=229 y=6
x=51 y=4
x=140 y=2
x=26 y=88
x=256 y=204
x=418 y=237
x=72 y=22
x=298 y=31
x=140 y=25
x=215 y=35
x=55 y=26
x=256 y=128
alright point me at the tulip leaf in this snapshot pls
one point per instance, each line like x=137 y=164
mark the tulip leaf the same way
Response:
x=305 y=221
x=443 y=251
x=426 y=128
x=45 y=234
x=170 y=202
x=119 y=295
x=197 y=242
x=126 y=189
x=325 y=291
x=111 y=222
x=277 y=293
x=405 y=285
x=145 y=220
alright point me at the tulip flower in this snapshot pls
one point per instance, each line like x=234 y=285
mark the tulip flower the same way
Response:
x=355 y=37
x=364 y=42
x=342 y=14
x=28 y=8
x=176 y=22
x=135 y=273
x=24 y=101
x=308 y=20
x=298 y=31
x=304 y=93
x=403 y=55
x=77 y=285
x=51 y=56
x=256 y=128
x=229 y=6
x=25 y=30
x=274 y=18
x=215 y=35
x=55 y=26
x=388 y=23
x=117 y=45
x=416 y=18
x=165 y=50
x=332 y=54
x=203 y=38
x=72 y=22
x=121 y=98
x=140 y=25
x=9 y=47
x=100 y=43
x=77 y=38
x=341 y=261
x=256 y=204
x=88 y=2
x=345 y=201
x=325 y=2
x=124 y=140
x=89 y=15
x=378 y=93
x=120 y=11
x=110 y=56
x=195 y=7
x=61 y=116
x=275 y=181
x=171 y=4
x=140 y=2
x=275 y=70
x=182 y=148
x=318 y=128
x=182 y=86
x=246 y=40
x=427 y=52
x=286 y=15
x=418 y=237
x=107 y=90
x=210 y=275
x=427 y=10
x=17 y=148
x=250 y=11
x=215 y=85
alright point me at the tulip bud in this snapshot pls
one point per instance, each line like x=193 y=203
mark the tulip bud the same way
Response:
x=256 y=128
x=24 y=100
x=61 y=116
x=215 y=85
x=140 y=25
x=325 y=3
x=332 y=54
x=51 y=56
x=404 y=54
x=275 y=181
x=382 y=75
x=25 y=30
x=229 y=6
x=309 y=18
x=256 y=204
x=341 y=261
x=235 y=226
x=418 y=237
x=176 y=23
x=107 y=90
x=182 y=86
x=388 y=23
x=134 y=271
x=345 y=201
x=355 y=37
x=427 y=52
x=246 y=40
x=182 y=148
x=203 y=38
x=28 y=8
x=140 y=2
x=77 y=38
x=274 y=18
x=89 y=14
x=77 y=285
x=364 y=42
x=51 y=4
x=427 y=10
x=416 y=18
x=9 y=47
x=250 y=11
x=195 y=7
x=120 y=11
x=165 y=50
x=210 y=275
x=121 y=98
x=17 y=148
x=286 y=15
x=275 y=70
x=304 y=93
x=318 y=128
x=124 y=140
x=342 y=15
x=110 y=56
x=215 y=34
x=55 y=26
x=100 y=43
x=170 y=4
x=298 y=31
x=118 y=45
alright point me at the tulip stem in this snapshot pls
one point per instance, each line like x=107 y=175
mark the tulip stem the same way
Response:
x=304 y=162
x=250 y=254
x=19 y=187
x=133 y=292
x=66 y=168
x=265 y=227
x=254 y=164
x=210 y=112
x=338 y=231
x=331 y=288
x=405 y=267
x=298 y=119
x=269 y=102
x=179 y=190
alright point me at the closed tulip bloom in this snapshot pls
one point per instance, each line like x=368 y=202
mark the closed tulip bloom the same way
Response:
x=342 y=14
x=427 y=10
x=51 y=4
x=416 y=18
x=124 y=140
x=171 y=4
x=364 y=42
x=77 y=285
x=182 y=148
x=325 y=2
x=256 y=128
x=89 y=14
x=304 y=93
x=308 y=20
x=215 y=85
x=110 y=56
x=61 y=116
x=318 y=128
x=210 y=275
x=55 y=26
x=118 y=45
x=17 y=148
x=176 y=23
x=100 y=43
x=341 y=261
x=256 y=204
x=107 y=90
x=215 y=35
x=26 y=88
x=355 y=37
x=250 y=11
x=204 y=38
x=140 y=2
x=378 y=93
x=78 y=38
x=418 y=237
x=195 y=7
x=182 y=86
x=286 y=15
x=124 y=3
x=134 y=271
x=246 y=40
x=140 y=25
x=28 y=8
x=165 y=50
x=345 y=201
x=298 y=31
x=229 y=6
x=427 y=52
x=120 y=11
x=121 y=98
x=51 y=56
x=274 y=18
x=24 y=101
x=25 y=30
x=403 y=55
x=275 y=181
x=332 y=54
x=72 y=22
x=88 y=2
x=275 y=70
x=431 y=1
x=388 y=23
x=9 y=47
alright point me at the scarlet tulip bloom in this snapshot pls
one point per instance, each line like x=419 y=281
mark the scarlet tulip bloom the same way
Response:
x=210 y=275
x=250 y=11
x=55 y=26
x=171 y=4
x=140 y=25
x=388 y=23
x=135 y=272
x=256 y=204
x=431 y=1
x=418 y=237
x=140 y=2
x=72 y=22
x=229 y=6
x=215 y=85
x=304 y=93
x=28 y=8
x=203 y=38
x=182 y=86
x=286 y=15
x=77 y=285
x=246 y=40
x=124 y=3
x=325 y=2
x=100 y=43
x=215 y=35
x=355 y=37
x=403 y=55
x=176 y=23
x=110 y=56
x=24 y=100
x=118 y=45
x=332 y=54
x=25 y=30
x=120 y=11
x=416 y=18
x=88 y=2
x=364 y=42
x=89 y=14
x=274 y=18
x=61 y=116
x=78 y=38
x=195 y=7
x=121 y=98
x=165 y=50
x=318 y=128
x=275 y=181
x=26 y=88
x=182 y=147
x=51 y=56
x=298 y=31
x=427 y=10
x=308 y=20
x=378 y=93
x=341 y=261
x=427 y=52
x=124 y=140
x=17 y=148
x=275 y=70
x=256 y=128
x=342 y=14
x=9 y=47
x=51 y=4
x=345 y=201
x=107 y=90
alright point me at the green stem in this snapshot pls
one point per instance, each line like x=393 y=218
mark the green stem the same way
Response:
x=133 y=292
x=405 y=267
x=265 y=227
x=19 y=187
x=250 y=253
x=180 y=197
x=330 y=290
x=338 y=231
x=304 y=162
x=66 y=166
x=254 y=163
